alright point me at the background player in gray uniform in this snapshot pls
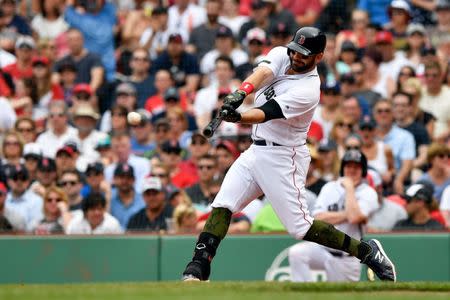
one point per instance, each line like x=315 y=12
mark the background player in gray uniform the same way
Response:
x=346 y=203
x=287 y=89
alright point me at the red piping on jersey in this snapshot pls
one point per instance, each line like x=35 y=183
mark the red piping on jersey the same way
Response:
x=293 y=179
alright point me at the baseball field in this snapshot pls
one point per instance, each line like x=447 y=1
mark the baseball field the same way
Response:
x=229 y=290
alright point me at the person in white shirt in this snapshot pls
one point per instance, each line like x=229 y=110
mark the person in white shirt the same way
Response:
x=85 y=119
x=58 y=132
x=346 y=203
x=94 y=219
x=185 y=16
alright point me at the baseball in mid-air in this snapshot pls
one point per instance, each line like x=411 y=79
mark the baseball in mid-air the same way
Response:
x=133 y=118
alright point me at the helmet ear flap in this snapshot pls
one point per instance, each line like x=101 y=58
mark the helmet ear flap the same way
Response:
x=289 y=51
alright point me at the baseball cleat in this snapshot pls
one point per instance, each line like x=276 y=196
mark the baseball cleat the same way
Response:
x=193 y=272
x=379 y=262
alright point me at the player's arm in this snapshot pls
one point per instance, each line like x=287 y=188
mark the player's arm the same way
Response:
x=332 y=217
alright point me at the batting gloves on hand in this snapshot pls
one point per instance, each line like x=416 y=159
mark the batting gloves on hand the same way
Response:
x=235 y=99
x=229 y=113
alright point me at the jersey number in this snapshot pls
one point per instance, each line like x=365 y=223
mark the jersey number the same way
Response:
x=270 y=94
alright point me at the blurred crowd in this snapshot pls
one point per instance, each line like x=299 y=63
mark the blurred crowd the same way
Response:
x=75 y=161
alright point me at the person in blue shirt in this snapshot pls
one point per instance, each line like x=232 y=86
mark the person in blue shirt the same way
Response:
x=12 y=20
x=377 y=10
x=96 y=21
x=125 y=201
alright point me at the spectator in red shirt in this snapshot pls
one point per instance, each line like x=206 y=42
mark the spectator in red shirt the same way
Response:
x=306 y=11
x=22 y=68
x=171 y=156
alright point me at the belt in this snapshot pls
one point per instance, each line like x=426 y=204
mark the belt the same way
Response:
x=265 y=143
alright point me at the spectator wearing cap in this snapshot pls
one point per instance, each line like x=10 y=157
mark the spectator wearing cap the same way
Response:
x=59 y=131
x=32 y=153
x=45 y=176
x=226 y=153
x=329 y=108
x=153 y=217
x=401 y=141
x=279 y=34
x=393 y=60
x=125 y=96
x=348 y=55
x=184 y=16
x=171 y=155
x=415 y=41
x=94 y=219
x=140 y=77
x=12 y=20
x=231 y=17
x=399 y=12
x=154 y=38
x=438 y=175
x=95 y=182
x=278 y=13
x=22 y=68
x=183 y=66
x=164 y=82
x=82 y=94
x=10 y=220
x=379 y=154
x=142 y=141
x=419 y=206
x=85 y=119
x=404 y=118
x=125 y=200
x=121 y=148
x=20 y=199
x=225 y=45
x=199 y=193
x=255 y=42
x=46 y=90
x=12 y=148
x=202 y=37
x=329 y=161
x=67 y=75
x=434 y=100
x=88 y=64
x=66 y=159
x=199 y=146
x=161 y=133
x=208 y=98
x=172 y=101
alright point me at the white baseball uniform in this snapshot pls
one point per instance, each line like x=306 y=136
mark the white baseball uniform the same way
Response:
x=278 y=169
x=338 y=265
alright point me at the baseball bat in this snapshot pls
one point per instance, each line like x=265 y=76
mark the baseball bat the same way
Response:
x=212 y=126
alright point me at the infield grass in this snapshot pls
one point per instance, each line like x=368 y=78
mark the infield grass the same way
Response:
x=228 y=290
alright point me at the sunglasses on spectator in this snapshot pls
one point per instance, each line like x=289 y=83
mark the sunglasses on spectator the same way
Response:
x=93 y=173
x=83 y=96
x=25 y=129
x=53 y=199
x=19 y=178
x=205 y=167
x=342 y=124
x=352 y=147
x=68 y=182
x=380 y=111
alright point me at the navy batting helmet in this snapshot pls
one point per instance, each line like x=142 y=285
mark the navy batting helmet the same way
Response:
x=308 y=41
x=354 y=156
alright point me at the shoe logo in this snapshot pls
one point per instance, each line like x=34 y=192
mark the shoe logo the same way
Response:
x=200 y=246
x=379 y=257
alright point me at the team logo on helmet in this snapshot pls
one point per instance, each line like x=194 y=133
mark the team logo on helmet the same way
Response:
x=301 y=39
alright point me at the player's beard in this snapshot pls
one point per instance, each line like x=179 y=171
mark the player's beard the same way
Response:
x=304 y=68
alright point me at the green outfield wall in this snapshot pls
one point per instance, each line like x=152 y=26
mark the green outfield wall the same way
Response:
x=60 y=259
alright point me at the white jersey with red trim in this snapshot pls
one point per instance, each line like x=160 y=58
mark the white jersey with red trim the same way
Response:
x=297 y=95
